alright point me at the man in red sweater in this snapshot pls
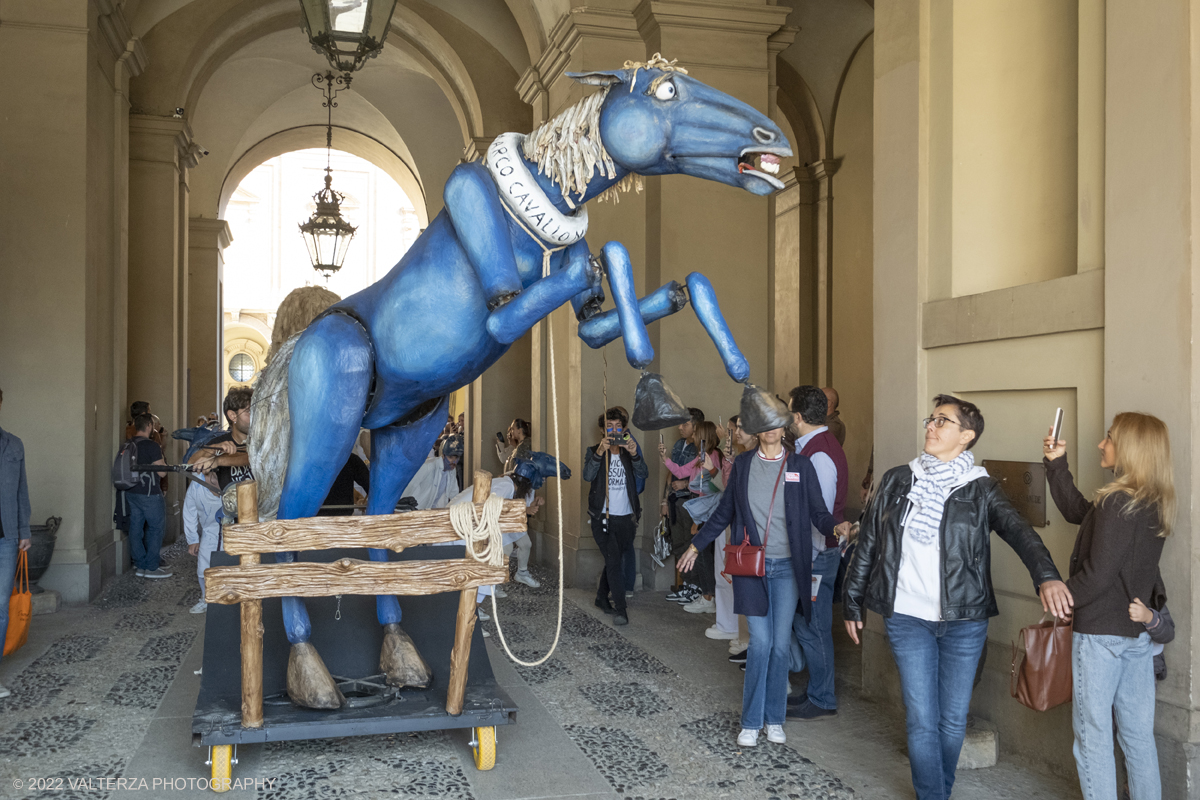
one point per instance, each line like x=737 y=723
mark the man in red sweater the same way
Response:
x=814 y=637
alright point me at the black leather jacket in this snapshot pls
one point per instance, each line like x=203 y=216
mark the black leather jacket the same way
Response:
x=972 y=511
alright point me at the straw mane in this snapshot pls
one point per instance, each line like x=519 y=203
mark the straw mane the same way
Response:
x=569 y=150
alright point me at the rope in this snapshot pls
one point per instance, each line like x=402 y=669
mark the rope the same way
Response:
x=483 y=526
x=546 y=253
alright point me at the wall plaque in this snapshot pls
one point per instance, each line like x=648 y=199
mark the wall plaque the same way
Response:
x=1025 y=484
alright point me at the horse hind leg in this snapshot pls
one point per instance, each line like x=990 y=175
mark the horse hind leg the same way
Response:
x=397 y=452
x=328 y=383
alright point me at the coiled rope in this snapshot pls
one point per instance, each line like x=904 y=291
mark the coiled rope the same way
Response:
x=482 y=526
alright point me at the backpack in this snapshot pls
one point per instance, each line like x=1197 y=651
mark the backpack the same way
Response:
x=124 y=469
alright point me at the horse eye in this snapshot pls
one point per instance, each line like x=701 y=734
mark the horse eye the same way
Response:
x=665 y=91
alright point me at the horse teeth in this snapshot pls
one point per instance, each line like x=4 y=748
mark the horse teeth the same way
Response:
x=771 y=168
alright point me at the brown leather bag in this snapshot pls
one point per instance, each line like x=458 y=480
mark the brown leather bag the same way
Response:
x=1043 y=678
x=748 y=560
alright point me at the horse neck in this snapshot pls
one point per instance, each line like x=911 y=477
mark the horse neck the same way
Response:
x=596 y=186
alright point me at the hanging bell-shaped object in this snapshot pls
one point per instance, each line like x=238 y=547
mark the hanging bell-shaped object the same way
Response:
x=762 y=411
x=655 y=406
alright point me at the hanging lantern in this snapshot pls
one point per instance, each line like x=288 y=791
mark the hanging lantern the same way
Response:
x=347 y=32
x=326 y=234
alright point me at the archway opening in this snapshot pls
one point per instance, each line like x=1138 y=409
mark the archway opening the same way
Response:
x=268 y=258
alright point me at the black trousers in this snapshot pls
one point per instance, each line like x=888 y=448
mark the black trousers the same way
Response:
x=615 y=536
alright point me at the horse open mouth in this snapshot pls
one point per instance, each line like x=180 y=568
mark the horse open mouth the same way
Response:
x=766 y=169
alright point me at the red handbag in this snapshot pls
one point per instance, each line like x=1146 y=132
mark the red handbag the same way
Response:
x=749 y=560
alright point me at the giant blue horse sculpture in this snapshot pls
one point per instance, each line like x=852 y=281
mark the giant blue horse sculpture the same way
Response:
x=388 y=357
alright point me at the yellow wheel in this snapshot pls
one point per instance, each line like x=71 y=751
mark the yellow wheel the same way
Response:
x=484 y=747
x=222 y=767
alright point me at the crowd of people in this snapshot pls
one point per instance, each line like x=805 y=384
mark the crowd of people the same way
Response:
x=920 y=558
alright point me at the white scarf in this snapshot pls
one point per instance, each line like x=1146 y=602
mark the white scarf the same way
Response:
x=520 y=192
x=933 y=480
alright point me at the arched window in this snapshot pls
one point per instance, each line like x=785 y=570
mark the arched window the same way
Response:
x=241 y=367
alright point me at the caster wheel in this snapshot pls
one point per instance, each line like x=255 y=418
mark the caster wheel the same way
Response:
x=484 y=747
x=222 y=767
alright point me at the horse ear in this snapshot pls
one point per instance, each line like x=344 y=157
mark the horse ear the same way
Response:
x=600 y=78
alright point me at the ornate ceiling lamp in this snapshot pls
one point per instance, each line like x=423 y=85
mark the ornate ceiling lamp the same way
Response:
x=347 y=32
x=326 y=233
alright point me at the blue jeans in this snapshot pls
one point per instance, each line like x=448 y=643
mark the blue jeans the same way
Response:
x=815 y=636
x=8 y=572
x=147 y=513
x=764 y=694
x=1114 y=673
x=937 y=662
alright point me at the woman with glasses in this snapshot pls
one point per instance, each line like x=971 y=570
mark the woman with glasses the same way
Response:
x=923 y=563
x=1115 y=565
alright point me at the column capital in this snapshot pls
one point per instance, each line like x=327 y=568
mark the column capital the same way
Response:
x=824 y=169
x=164 y=139
x=116 y=33
x=728 y=17
x=476 y=148
x=209 y=233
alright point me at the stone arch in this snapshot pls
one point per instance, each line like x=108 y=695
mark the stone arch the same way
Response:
x=345 y=139
x=842 y=84
x=796 y=102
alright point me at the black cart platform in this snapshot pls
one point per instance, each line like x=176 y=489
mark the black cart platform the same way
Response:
x=349 y=644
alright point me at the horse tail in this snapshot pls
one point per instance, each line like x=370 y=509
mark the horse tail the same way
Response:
x=270 y=429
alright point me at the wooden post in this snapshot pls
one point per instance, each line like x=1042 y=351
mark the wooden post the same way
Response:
x=252 y=628
x=464 y=628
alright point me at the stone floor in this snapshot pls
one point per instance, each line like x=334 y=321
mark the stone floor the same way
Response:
x=104 y=693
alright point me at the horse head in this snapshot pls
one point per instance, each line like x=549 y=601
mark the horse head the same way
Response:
x=537 y=466
x=656 y=120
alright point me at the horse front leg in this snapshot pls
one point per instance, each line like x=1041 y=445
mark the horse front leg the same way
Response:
x=603 y=328
x=397 y=452
x=514 y=319
x=704 y=303
x=638 y=350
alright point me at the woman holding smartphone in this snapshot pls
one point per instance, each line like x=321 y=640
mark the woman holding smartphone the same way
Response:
x=1114 y=565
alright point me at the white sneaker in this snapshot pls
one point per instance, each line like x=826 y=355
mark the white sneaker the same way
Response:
x=141 y=573
x=500 y=593
x=701 y=606
x=483 y=615
x=486 y=634
x=524 y=577
x=714 y=632
x=748 y=738
x=199 y=608
x=156 y=573
x=738 y=646
x=4 y=692
x=775 y=734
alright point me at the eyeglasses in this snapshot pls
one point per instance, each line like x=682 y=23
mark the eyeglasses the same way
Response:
x=938 y=422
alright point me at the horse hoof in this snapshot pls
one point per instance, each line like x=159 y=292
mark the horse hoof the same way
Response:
x=309 y=683
x=400 y=661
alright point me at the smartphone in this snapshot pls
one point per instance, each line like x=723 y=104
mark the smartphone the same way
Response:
x=500 y=436
x=1057 y=429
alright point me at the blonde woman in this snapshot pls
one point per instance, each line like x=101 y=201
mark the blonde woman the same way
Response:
x=1114 y=564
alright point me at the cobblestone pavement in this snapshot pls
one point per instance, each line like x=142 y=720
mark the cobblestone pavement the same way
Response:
x=84 y=705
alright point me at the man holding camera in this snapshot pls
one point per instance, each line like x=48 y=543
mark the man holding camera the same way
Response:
x=613 y=505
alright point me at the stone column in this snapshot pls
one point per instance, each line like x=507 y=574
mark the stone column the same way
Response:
x=207 y=238
x=159 y=158
x=1152 y=190
x=792 y=342
x=822 y=176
